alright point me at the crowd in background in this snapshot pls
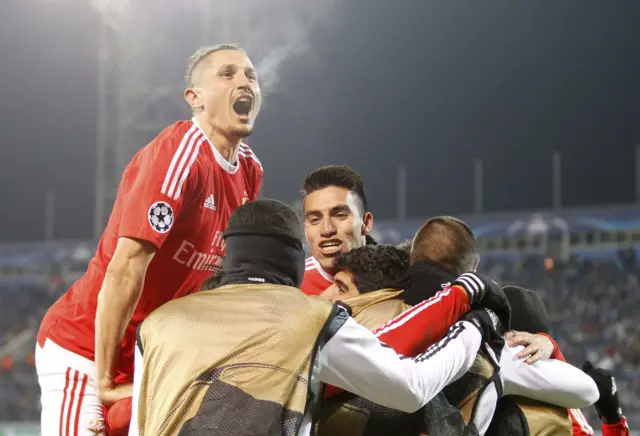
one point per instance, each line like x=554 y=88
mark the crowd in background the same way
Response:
x=593 y=306
x=23 y=303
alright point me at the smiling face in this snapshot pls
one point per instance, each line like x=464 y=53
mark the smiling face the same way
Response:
x=334 y=223
x=224 y=90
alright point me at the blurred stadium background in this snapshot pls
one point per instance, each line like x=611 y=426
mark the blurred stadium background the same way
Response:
x=584 y=264
x=549 y=102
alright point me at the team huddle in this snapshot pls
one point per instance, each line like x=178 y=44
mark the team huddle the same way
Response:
x=199 y=314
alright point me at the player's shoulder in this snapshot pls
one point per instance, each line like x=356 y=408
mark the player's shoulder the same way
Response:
x=310 y=264
x=165 y=311
x=248 y=158
x=314 y=302
x=178 y=146
x=313 y=271
x=318 y=303
x=312 y=278
x=175 y=135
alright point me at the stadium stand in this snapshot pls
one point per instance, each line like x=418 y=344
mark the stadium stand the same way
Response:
x=584 y=264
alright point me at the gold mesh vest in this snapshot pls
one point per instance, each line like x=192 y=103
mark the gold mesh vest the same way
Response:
x=234 y=360
x=348 y=415
x=375 y=308
x=520 y=416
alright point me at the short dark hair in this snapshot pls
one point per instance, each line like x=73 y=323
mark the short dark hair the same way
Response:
x=405 y=246
x=448 y=242
x=267 y=213
x=373 y=267
x=336 y=175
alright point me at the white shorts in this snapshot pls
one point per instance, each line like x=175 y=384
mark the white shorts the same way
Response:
x=70 y=406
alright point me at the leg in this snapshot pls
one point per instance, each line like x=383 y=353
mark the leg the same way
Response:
x=70 y=406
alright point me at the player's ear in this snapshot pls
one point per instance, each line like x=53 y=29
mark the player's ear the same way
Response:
x=367 y=223
x=194 y=98
x=476 y=263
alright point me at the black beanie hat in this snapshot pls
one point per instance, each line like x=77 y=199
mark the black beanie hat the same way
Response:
x=528 y=313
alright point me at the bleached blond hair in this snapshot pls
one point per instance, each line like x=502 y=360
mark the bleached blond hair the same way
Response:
x=201 y=54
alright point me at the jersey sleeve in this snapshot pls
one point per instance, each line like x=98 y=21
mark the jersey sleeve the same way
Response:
x=416 y=329
x=158 y=185
x=354 y=360
x=582 y=428
x=551 y=381
x=424 y=324
x=579 y=424
x=619 y=429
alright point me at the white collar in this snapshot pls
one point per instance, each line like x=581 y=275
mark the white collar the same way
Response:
x=232 y=165
x=321 y=270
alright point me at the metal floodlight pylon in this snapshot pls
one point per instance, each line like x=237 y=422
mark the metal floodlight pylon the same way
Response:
x=131 y=109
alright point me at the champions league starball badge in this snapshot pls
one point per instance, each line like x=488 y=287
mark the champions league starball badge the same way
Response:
x=160 y=216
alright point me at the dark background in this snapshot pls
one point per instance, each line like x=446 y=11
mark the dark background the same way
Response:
x=427 y=85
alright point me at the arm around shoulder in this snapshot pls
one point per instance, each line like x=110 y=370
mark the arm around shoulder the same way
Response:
x=355 y=360
x=551 y=381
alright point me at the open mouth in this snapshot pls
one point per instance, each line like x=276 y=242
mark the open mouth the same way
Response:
x=333 y=246
x=242 y=106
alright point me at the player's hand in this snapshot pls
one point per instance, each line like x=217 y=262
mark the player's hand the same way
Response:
x=489 y=325
x=608 y=405
x=484 y=293
x=537 y=347
x=110 y=392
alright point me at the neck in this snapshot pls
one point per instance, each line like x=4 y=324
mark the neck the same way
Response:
x=259 y=255
x=225 y=144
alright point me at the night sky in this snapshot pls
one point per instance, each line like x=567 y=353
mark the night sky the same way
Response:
x=424 y=84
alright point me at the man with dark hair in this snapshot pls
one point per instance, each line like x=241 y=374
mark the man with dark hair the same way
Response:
x=366 y=269
x=337 y=219
x=250 y=357
x=405 y=246
x=271 y=214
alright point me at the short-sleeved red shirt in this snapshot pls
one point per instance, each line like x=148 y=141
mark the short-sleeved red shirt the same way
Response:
x=178 y=193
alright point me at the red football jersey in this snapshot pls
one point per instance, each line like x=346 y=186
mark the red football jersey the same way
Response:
x=315 y=279
x=178 y=193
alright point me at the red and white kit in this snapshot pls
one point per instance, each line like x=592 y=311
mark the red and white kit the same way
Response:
x=178 y=193
x=315 y=279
